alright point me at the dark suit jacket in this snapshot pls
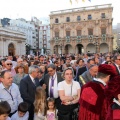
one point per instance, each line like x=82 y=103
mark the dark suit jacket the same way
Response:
x=81 y=71
x=116 y=68
x=46 y=80
x=27 y=89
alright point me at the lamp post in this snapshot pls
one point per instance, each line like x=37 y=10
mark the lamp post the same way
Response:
x=54 y=50
x=96 y=44
x=61 y=48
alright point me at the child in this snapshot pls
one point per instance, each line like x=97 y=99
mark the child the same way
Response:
x=39 y=104
x=113 y=91
x=4 y=110
x=22 y=113
x=51 y=110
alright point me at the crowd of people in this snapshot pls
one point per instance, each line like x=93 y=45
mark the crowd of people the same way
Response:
x=60 y=87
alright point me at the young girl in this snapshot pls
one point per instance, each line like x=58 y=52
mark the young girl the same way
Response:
x=51 y=110
x=40 y=104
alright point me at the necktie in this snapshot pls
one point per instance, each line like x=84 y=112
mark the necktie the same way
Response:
x=34 y=82
x=51 y=87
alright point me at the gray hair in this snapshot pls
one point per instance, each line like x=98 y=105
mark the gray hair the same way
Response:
x=32 y=68
x=91 y=66
x=51 y=66
x=8 y=61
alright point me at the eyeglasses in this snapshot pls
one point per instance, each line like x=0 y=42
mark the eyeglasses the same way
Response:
x=9 y=64
x=50 y=71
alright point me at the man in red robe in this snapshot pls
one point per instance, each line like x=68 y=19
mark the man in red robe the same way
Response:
x=92 y=100
x=113 y=96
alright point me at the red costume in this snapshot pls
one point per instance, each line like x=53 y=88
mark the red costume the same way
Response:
x=113 y=112
x=92 y=102
x=93 y=105
x=111 y=92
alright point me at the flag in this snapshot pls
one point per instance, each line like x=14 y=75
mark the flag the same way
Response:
x=71 y=1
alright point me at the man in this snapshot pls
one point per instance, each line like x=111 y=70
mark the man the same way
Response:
x=85 y=68
x=88 y=75
x=51 y=80
x=116 y=63
x=67 y=63
x=13 y=62
x=9 y=91
x=92 y=100
x=28 y=87
x=9 y=66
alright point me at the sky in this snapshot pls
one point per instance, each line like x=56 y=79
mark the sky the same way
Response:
x=41 y=8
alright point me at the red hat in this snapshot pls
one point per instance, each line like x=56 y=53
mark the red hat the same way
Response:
x=107 y=69
x=113 y=88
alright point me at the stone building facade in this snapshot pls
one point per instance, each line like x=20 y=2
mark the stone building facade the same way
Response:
x=11 y=42
x=82 y=30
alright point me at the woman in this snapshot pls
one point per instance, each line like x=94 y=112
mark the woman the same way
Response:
x=17 y=78
x=69 y=93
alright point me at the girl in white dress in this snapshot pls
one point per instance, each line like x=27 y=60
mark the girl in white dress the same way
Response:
x=51 y=110
x=40 y=104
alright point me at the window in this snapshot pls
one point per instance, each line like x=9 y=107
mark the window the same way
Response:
x=90 y=31
x=78 y=18
x=56 y=20
x=103 y=30
x=78 y=32
x=89 y=17
x=67 y=33
x=56 y=34
x=103 y=15
x=67 y=19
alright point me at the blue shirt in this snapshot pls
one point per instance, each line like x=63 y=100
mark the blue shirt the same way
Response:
x=11 y=95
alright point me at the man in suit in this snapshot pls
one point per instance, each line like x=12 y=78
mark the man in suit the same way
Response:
x=85 y=68
x=116 y=63
x=88 y=75
x=51 y=80
x=28 y=87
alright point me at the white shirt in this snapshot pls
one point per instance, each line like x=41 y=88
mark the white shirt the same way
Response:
x=55 y=88
x=16 y=116
x=117 y=67
x=14 y=99
x=70 y=89
x=8 y=118
x=99 y=80
x=32 y=79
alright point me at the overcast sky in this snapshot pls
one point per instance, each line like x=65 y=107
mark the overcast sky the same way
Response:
x=41 y=8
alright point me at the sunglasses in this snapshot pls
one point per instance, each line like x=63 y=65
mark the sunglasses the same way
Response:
x=9 y=64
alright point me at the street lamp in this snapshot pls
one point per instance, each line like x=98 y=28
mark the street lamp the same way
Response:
x=54 y=50
x=61 y=48
x=96 y=44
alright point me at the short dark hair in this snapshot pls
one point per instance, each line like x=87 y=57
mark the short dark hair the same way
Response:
x=88 y=61
x=101 y=75
x=3 y=73
x=23 y=107
x=51 y=66
x=79 y=60
x=4 y=107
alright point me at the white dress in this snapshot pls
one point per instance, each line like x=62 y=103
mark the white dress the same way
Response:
x=39 y=116
x=51 y=115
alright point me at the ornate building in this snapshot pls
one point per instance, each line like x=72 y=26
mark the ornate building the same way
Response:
x=82 y=30
x=11 y=42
